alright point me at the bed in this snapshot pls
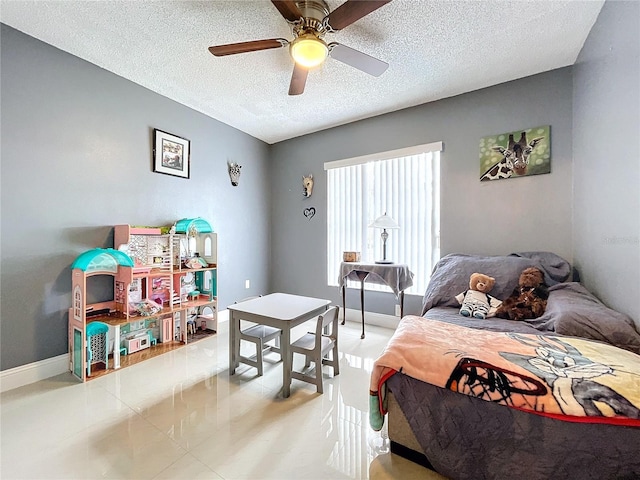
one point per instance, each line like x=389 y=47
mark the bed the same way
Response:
x=554 y=397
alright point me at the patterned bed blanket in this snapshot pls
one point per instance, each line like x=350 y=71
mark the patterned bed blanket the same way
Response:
x=568 y=378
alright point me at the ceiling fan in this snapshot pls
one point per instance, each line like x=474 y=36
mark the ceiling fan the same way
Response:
x=310 y=21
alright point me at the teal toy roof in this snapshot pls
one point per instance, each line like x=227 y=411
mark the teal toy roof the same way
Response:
x=200 y=225
x=102 y=260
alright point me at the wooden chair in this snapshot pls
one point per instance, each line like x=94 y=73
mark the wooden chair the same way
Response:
x=260 y=335
x=316 y=346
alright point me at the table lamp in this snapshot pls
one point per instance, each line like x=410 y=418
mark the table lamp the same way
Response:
x=384 y=222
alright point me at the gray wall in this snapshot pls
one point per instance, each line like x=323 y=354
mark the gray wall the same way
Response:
x=76 y=159
x=606 y=139
x=499 y=217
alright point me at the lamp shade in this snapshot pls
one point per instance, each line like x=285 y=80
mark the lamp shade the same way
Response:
x=385 y=221
x=309 y=51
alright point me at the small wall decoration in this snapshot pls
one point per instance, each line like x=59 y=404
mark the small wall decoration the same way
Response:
x=234 y=173
x=309 y=212
x=171 y=154
x=307 y=185
x=520 y=153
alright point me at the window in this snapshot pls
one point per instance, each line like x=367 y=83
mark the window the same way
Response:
x=403 y=183
x=77 y=303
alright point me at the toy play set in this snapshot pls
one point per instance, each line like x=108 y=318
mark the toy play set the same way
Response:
x=164 y=291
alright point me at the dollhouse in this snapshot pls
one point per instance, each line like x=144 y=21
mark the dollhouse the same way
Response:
x=164 y=292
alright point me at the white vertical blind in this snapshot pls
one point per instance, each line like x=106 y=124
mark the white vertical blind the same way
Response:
x=407 y=188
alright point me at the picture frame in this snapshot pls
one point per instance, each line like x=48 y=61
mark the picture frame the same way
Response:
x=171 y=154
x=515 y=154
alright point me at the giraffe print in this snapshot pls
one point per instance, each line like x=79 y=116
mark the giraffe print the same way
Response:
x=515 y=158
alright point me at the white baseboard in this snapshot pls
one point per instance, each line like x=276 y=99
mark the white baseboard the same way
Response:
x=33 y=372
x=50 y=367
x=372 y=318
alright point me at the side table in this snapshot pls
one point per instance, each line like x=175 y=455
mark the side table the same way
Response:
x=396 y=276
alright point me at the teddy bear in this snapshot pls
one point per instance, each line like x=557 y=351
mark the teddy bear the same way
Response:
x=476 y=301
x=528 y=300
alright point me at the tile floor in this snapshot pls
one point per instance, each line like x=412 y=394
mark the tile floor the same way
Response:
x=181 y=416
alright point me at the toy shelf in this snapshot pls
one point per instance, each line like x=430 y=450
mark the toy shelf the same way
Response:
x=165 y=295
x=151 y=273
x=119 y=319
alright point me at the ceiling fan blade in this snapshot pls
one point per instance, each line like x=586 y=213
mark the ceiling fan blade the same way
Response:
x=357 y=59
x=288 y=9
x=243 y=47
x=351 y=11
x=298 y=80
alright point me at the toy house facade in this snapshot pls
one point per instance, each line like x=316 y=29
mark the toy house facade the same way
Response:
x=164 y=292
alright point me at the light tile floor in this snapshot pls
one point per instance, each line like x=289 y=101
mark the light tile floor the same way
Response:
x=181 y=416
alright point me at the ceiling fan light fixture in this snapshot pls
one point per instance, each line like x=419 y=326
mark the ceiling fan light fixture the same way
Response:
x=308 y=50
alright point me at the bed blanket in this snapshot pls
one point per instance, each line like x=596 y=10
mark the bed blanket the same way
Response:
x=568 y=378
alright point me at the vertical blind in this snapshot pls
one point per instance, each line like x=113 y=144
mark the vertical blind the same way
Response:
x=406 y=187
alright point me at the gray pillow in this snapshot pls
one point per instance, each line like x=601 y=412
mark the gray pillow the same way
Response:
x=451 y=274
x=573 y=310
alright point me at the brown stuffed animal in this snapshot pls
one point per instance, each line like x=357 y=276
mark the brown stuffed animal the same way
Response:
x=529 y=300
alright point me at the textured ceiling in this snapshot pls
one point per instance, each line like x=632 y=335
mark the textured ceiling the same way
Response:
x=435 y=49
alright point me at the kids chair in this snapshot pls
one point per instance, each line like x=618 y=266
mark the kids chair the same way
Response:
x=316 y=346
x=260 y=335
x=191 y=326
x=97 y=345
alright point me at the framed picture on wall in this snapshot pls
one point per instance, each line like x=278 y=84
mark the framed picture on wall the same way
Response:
x=170 y=154
x=516 y=154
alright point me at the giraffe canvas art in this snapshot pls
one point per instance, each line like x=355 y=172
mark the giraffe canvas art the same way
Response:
x=520 y=153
